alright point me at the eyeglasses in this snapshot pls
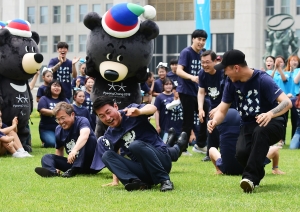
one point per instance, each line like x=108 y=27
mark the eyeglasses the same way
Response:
x=206 y=62
x=61 y=119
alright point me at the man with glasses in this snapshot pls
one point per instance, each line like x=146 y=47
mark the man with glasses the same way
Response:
x=75 y=135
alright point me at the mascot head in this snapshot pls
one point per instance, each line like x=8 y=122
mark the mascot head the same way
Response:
x=19 y=57
x=120 y=45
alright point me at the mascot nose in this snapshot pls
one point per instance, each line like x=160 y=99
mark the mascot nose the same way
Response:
x=111 y=75
x=38 y=58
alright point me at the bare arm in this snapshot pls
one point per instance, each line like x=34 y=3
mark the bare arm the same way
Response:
x=157 y=121
x=148 y=109
x=81 y=141
x=201 y=94
x=297 y=78
x=46 y=112
x=181 y=73
x=218 y=116
x=34 y=79
x=10 y=128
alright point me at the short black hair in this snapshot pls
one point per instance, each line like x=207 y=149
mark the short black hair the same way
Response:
x=211 y=53
x=101 y=101
x=199 y=33
x=273 y=58
x=173 y=61
x=62 y=45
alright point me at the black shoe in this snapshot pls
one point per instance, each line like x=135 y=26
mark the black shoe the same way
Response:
x=70 y=173
x=171 y=137
x=27 y=148
x=166 y=185
x=43 y=172
x=182 y=142
x=137 y=185
x=206 y=158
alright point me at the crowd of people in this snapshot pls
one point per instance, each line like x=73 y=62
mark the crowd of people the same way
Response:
x=235 y=115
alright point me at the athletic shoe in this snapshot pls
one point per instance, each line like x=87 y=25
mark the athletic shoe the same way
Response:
x=197 y=149
x=187 y=153
x=70 y=173
x=182 y=142
x=247 y=185
x=27 y=154
x=43 y=172
x=206 y=159
x=166 y=185
x=19 y=155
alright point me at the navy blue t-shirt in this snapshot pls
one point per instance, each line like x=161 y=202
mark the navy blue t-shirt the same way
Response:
x=173 y=77
x=47 y=122
x=89 y=105
x=164 y=115
x=83 y=112
x=158 y=86
x=131 y=129
x=63 y=74
x=190 y=60
x=257 y=95
x=41 y=91
x=145 y=88
x=68 y=138
x=213 y=85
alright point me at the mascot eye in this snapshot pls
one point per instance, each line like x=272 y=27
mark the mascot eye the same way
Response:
x=26 y=48
x=33 y=49
x=109 y=56
x=119 y=58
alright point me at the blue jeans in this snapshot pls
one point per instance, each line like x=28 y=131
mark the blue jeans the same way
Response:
x=295 y=142
x=47 y=137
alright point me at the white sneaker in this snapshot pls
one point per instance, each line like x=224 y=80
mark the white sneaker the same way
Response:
x=197 y=149
x=19 y=155
x=186 y=153
x=27 y=154
x=247 y=185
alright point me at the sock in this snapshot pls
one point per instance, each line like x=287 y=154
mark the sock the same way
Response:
x=21 y=149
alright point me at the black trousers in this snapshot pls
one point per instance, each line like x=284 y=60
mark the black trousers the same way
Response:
x=253 y=145
x=189 y=106
x=152 y=165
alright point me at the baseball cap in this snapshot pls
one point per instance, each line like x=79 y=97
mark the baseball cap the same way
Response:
x=231 y=57
x=219 y=58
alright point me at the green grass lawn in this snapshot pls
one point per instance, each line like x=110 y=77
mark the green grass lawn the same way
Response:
x=196 y=188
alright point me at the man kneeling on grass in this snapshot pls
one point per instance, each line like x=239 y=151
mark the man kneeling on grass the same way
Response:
x=130 y=131
x=75 y=134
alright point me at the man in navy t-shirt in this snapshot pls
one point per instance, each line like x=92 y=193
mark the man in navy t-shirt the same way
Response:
x=187 y=70
x=74 y=135
x=211 y=83
x=63 y=68
x=261 y=105
x=129 y=130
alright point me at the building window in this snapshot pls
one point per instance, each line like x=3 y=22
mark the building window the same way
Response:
x=82 y=43
x=298 y=7
x=285 y=6
x=56 y=39
x=269 y=7
x=82 y=11
x=44 y=15
x=70 y=42
x=108 y=6
x=175 y=43
x=31 y=15
x=56 y=14
x=157 y=53
x=97 y=8
x=222 y=9
x=70 y=14
x=170 y=11
x=43 y=44
x=224 y=42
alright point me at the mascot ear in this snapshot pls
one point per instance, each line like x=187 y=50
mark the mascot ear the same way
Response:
x=35 y=36
x=4 y=33
x=92 y=20
x=149 y=29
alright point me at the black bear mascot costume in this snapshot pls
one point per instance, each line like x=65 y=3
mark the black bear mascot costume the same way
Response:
x=119 y=49
x=19 y=61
